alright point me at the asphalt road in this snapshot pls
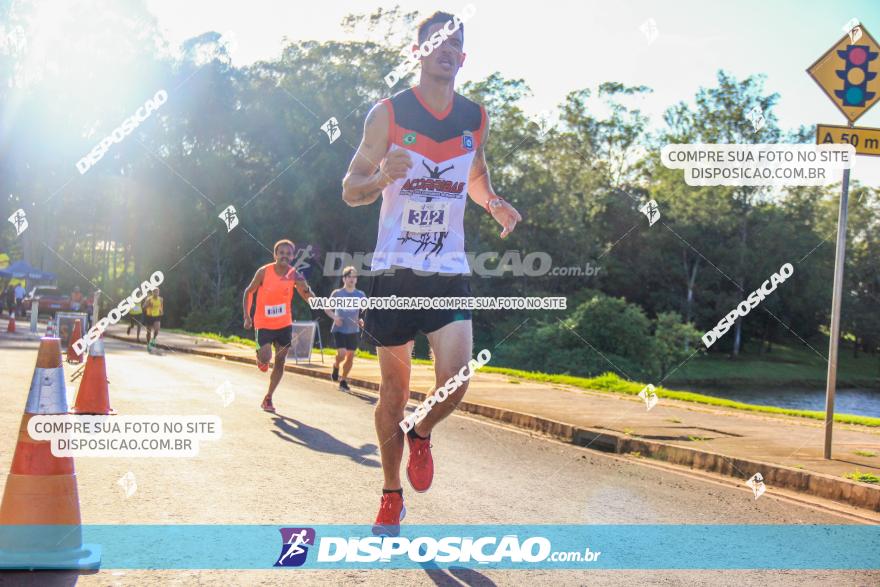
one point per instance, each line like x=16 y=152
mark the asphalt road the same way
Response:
x=316 y=461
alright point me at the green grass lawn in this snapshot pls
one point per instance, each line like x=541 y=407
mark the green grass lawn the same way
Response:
x=218 y=337
x=794 y=364
x=611 y=383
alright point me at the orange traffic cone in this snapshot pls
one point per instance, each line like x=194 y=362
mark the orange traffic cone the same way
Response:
x=40 y=524
x=10 y=326
x=93 y=396
x=72 y=355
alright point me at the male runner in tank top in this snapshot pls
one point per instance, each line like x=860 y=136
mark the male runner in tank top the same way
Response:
x=430 y=142
x=273 y=319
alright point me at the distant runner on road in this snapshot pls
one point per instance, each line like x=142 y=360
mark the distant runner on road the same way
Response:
x=273 y=285
x=346 y=327
x=154 y=308
x=135 y=315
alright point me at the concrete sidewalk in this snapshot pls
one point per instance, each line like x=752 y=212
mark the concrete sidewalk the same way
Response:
x=786 y=450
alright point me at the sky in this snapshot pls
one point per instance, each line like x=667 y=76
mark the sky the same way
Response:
x=558 y=47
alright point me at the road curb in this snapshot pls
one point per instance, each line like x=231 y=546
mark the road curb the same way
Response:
x=816 y=484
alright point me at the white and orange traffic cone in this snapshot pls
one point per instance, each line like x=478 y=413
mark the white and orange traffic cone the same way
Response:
x=72 y=355
x=93 y=395
x=40 y=523
x=10 y=326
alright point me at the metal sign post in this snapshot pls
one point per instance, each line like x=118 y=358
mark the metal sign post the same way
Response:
x=839 y=258
x=848 y=75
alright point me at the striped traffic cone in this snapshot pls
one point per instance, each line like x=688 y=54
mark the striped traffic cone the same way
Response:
x=40 y=524
x=10 y=326
x=93 y=395
x=72 y=355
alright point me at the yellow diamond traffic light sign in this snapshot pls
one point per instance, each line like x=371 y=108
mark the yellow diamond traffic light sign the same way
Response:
x=848 y=74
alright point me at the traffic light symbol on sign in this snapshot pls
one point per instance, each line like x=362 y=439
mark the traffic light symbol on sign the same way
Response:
x=855 y=75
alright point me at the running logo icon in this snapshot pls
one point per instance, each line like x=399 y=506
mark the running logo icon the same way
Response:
x=652 y=211
x=756 y=117
x=331 y=127
x=756 y=483
x=294 y=546
x=19 y=221
x=229 y=216
x=853 y=29
x=649 y=396
x=650 y=30
x=128 y=483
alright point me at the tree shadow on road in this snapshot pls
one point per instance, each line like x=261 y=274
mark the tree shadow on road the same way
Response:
x=316 y=439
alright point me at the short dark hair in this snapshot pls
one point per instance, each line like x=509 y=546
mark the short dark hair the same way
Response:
x=283 y=241
x=438 y=17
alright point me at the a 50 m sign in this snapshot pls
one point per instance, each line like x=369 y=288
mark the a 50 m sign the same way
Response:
x=865 y=140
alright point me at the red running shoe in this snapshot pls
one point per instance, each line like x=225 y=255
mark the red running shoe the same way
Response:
x=262 y=366
x=391 y=512
x=420 y=465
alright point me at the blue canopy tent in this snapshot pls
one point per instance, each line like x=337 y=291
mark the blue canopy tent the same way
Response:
x=23 y=270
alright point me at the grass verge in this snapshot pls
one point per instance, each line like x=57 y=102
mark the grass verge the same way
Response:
x=608 y=382
x=863 y=477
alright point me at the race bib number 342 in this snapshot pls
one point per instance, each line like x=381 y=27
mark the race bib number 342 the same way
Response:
x=424 y=217
x=272 y=311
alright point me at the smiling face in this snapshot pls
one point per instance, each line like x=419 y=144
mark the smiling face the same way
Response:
x=283 y=255
x=444 y=61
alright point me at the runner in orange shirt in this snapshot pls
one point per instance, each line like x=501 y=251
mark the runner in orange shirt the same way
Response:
x=273 y=319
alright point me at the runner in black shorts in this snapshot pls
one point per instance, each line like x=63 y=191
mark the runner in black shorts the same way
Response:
x=278 y=337
x=271 y=291
x=430 y=142
x=397 y=327
x=346 y=328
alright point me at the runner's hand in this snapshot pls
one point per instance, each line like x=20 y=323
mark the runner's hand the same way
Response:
x=505 y=215
x=361 y=322
x=337 y=322
x=248 y=323
x=394 y=166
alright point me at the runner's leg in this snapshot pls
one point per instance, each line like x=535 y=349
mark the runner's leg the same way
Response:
x=264 y=353
x=277 y=369
x=346 y=367
x=394 y=365
x=452 y=346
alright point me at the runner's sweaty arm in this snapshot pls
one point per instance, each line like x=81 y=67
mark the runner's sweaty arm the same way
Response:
x=248 y=297
x=302 y=286
x=371 y=171
x=480 y=189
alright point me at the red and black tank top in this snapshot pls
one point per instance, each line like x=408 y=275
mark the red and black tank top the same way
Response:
x=421 y=223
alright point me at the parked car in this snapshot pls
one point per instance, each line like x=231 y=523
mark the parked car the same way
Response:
x=49 y=297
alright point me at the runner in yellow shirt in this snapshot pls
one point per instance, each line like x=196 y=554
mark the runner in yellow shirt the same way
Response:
x=154 y=308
